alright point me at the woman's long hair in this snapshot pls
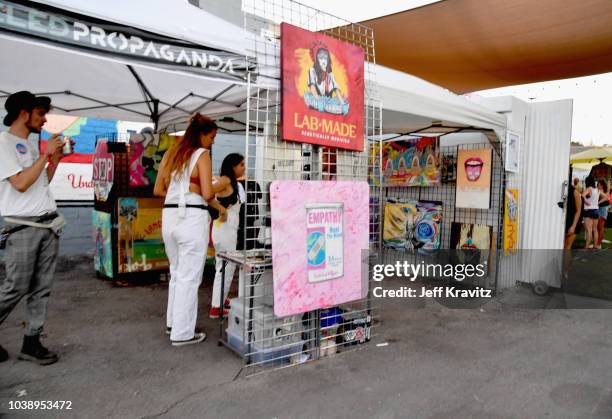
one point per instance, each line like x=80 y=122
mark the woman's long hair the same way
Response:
x=604 y=185
x=321 y=71
x=227 y=168
x=180 y=153
x=589 y=182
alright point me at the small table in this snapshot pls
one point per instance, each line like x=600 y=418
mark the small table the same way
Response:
x=254 y=262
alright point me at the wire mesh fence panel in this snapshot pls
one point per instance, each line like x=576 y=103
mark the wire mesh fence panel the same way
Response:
x=264 y=340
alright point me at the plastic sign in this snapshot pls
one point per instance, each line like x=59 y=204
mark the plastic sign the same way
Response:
x=323 y=89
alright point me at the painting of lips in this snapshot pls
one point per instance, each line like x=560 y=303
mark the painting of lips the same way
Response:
x=473 y=168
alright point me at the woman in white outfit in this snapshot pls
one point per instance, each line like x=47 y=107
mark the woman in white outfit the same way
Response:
x=230 y=194
x=591 y=211
x=185 y=179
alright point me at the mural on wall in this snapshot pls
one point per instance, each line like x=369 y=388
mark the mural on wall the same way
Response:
x=323 y=89
x=412 y=225
x=319 y=230
x=140 y=244
x=73 y=177
x=103 y=255
x=146 y=153
x=474 y=178
x=511 y=220
x=413 y=162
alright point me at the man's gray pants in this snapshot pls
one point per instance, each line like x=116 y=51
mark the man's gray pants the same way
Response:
x=30 y=259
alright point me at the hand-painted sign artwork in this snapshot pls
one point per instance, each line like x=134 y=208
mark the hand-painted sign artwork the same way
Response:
x=319 y=230
x=511 y=220
x=412 y=225
x=103 y=255
x=140 y=241
x=474 y=178
x=103 y=171
x=323 y=89
x=413 y=162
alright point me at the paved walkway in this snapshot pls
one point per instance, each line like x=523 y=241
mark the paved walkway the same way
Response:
x=495 y=362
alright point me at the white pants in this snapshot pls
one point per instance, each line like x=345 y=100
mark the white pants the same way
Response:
x=186 y=243
x=225 y=237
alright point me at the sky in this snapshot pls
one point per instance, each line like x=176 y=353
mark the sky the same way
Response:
x=592 y=95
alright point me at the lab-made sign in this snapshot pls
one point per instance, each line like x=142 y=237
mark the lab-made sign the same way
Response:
x=323 y=89
x=103 y=167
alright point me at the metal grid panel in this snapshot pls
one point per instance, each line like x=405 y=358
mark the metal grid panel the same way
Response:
x=446 y=193
x=282 y=342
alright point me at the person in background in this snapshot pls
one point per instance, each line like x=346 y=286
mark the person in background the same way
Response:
x=572 y=216
x=185 y=179
x=591 y=211
x=604 y=206
x=230 y=194
x=31 y=252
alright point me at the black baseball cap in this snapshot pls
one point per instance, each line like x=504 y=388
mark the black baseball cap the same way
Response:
x=23 y=100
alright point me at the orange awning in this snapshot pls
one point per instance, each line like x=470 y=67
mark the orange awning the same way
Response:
x=469 y=45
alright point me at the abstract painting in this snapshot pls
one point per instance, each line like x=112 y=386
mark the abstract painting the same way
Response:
x=412 y=225
x=470 y=236
x=146 y=153
x=103 y=255
x=413 y=162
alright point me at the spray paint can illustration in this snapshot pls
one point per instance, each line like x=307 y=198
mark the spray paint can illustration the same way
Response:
x=324 y=241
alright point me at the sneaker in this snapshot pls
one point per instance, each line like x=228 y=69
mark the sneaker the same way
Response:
x=3 y=354
x=168 y=330
x=33 y=351
x=214 y=312
x=197 y=338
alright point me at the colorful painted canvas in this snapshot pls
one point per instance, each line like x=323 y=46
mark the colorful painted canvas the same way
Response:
x=319 y=234
x=413 y=162
x=103 y=255
x=146 y=153
x=474 y=178
x=412 y=225
x=470 y=236
x=511 y=220
x=140 y=244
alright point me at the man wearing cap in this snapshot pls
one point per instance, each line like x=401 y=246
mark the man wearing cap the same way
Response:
x=31 y=251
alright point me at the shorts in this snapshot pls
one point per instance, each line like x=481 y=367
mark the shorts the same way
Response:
x=603 y=212
x=591 y=213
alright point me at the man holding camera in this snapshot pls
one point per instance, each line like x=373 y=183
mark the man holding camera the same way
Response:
x=32 y=224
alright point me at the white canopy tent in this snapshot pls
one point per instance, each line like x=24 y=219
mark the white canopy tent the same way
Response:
x=123 y=60
x=412 y=104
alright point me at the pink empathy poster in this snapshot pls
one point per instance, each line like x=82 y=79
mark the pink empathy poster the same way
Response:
x=319 y=232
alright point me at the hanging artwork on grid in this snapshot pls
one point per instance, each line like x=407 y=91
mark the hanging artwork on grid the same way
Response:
x=474 y=178
x=511 y=220
x=103 y=255
x=319 y=232
x=413 y=162
x=412 y=225
x=513 y=144
x=470 y=236
x=323 y=89
x=449 y=169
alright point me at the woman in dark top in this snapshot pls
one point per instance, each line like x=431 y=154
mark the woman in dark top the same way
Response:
x=230 y=195
x=604 y=207
x=572 y=216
